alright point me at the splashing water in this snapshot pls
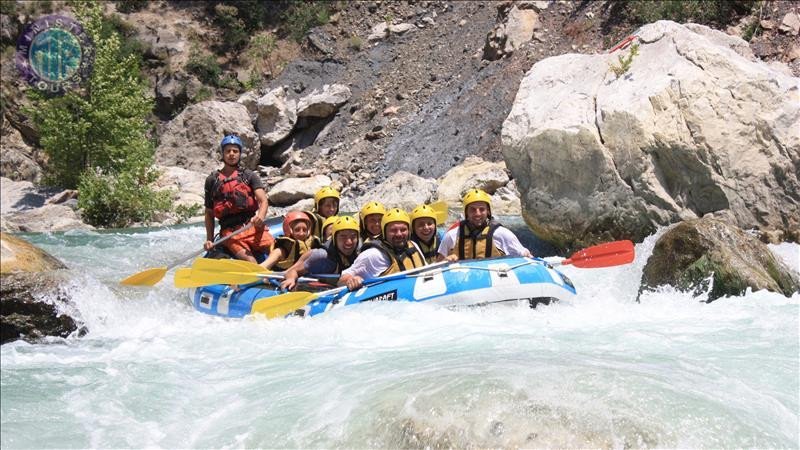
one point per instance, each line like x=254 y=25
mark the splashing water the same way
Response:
x=599 y=371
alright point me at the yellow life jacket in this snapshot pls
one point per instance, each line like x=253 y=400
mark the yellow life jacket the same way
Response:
x=477 y=244
x=295 y=249
x=316 y=224
x=430 y=250
x=405 y=260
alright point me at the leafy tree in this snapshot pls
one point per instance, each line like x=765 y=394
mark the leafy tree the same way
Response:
x=97 y=139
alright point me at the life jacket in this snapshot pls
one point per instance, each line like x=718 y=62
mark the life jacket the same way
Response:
x=296 y=249
x=402 y=261
x=335 y=256
x=233 y=198
x=476 y=244
x=430 y=250
x=316 y=223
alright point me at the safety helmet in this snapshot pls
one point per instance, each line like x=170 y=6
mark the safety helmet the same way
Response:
x=344 y=223
x=423 y=211
x=323 y=193
x=476 y=195
x=231 y=139
x=371 y=208
x=329 y=221
x=394 y=215
x=292 y=217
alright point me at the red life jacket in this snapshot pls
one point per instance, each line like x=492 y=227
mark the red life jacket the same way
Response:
x=233 y=195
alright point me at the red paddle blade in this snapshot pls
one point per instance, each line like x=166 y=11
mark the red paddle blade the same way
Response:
x=604 y=255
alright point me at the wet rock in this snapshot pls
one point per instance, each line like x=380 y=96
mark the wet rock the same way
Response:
x=191 y=140
x=695 y=252
x=597 y=157
x=323 y=102
x=32 y=303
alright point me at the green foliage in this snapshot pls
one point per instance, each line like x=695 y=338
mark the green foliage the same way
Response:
x=720 y=12
x=203 y=94
x=254 y=81
x=186 y=212
x=259 y=52
x=204 y=65
x=355 y=42
x=117 y=200
x=129 y=6
x=752 y=30
x=97 y=139
x=625 y=62
x=235 y=34
x=303 y=15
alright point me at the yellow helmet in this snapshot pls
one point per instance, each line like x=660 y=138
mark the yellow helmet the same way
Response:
x=423 y=211
x=323 y=193
x=344 y=223
x=394 y=215
x=371 y=208
x=476 y=195
x=330 y=220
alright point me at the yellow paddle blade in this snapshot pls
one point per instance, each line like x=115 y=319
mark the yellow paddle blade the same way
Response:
x=147 y=277
x=188 y=278
x=441 y=210
x=281 y=305
x=227 y=265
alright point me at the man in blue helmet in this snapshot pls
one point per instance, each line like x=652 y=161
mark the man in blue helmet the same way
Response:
x=235 y=196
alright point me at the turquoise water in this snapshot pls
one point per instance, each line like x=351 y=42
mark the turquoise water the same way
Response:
x=599 y=371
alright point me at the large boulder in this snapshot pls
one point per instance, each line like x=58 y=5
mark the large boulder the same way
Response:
x=473 y=173
x=695 y=126
x=188 y=186
x=32 y=302
x=25 y=207
x=292 y=190
x=401 y=190
x=516 y=22
x=323 y=102
x=191 y=140
x=695 y=252
x=275 y=116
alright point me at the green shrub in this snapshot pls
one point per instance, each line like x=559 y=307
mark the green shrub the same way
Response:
x=129 y=6
x=719 y=12
x=752 y=30
x=355 y=42
x=117 y=200
x=235 y=35
x=204 y=65
x=186 y=212
x=303 y=15
x=625 y=62
x=203 y=94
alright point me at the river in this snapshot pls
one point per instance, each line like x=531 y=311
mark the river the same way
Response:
x=602 y=370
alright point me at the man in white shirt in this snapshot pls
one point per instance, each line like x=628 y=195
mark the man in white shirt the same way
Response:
x=478 y=236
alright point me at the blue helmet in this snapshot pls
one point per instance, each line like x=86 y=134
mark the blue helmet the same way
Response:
x=231 y=139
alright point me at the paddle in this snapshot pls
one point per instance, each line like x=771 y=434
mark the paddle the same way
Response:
x=283 y=304
x=614 y=253
x=206 y=271
x=152 y=276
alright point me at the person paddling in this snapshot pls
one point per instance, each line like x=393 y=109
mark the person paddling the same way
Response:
x=479 y=235
x=390 y=254
x=326 y=204
x=235 y=196
x=370 y=221
x=424 y=232
x=337 y=255
x=295 y=242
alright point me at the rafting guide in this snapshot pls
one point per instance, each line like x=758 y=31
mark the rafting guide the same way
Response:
x=235 y=196
x=54 y=54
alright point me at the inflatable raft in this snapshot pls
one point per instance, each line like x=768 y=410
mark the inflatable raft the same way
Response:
x=464 y=283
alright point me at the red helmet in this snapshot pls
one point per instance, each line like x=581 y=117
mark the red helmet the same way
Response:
x=292 y=217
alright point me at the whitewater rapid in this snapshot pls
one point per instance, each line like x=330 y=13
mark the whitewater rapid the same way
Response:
x=601 y=371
